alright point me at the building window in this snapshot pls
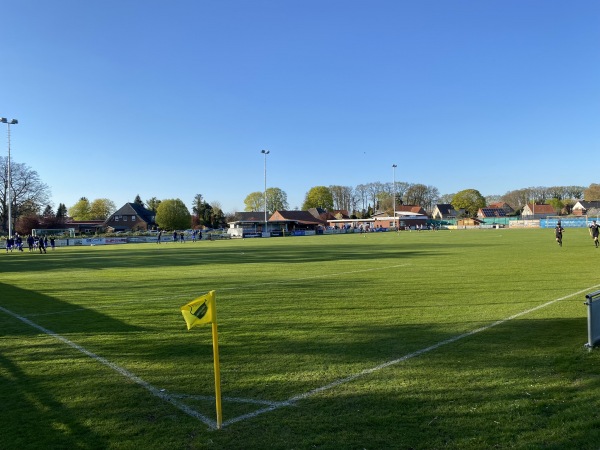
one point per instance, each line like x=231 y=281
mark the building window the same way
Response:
x=124 y=218
x=116 y=218
x=133 y=218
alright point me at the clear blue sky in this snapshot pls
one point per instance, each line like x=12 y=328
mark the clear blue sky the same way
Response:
x=172 y=99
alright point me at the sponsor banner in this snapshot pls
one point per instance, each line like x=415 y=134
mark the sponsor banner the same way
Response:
x=252 y=235
x=91 y=241
x=140 y=239
x=118 y=240
x=578 y=222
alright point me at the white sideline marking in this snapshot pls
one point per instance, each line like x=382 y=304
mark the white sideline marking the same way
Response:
x=292 y=400
x=127 y=374
x=271 y=406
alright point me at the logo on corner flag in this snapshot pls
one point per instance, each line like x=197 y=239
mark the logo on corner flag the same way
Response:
x=200 y=311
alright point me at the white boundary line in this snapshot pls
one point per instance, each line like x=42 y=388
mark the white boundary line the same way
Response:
x=292 y=400
x=271 y=406
x=127 y=374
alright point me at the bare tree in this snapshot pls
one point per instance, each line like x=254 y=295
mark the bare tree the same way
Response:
x=342 y=197
x=361 y=195
x=416 y=194
x=401 y=189
x=575 y=192
x=374 y=190
x=431 y=198
x=27 y=191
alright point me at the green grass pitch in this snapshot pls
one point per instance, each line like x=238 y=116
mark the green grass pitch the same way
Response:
x=411 y=340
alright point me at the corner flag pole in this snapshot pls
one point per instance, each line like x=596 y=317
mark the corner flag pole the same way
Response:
x=201 y=311
x=215 y=338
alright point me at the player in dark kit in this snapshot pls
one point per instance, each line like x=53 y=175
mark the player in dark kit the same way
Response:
x=558 y=231
x=594 y=232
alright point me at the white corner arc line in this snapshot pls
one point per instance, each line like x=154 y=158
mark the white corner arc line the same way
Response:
x=127 y=374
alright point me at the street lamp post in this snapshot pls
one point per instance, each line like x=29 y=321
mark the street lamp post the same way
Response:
x=394 y=192
x=265 y=152
x=9 y=200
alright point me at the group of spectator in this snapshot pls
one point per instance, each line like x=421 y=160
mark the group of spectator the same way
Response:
x=180 y=237
x=34 y=243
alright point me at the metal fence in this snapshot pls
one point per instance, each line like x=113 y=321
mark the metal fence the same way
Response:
x=593 y=304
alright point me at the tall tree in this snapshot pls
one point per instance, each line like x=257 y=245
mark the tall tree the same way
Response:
x=276 y=200
x=152 y=204
x=342 y=197
x=254 y=202
x=416 y=194
x=557 y=204
x=470 y=200
x=61 y=212
x=575 y=192
x=217 y=217
x=516 y=199
x=102 y=208
x=401 y=188
x=446 y=198
x=374 y=189
x=138 y=200
x=361 y=193
x=492 y=199
x=172 y=214
x=592 y=193
x=81 y=210
x=26 y=189
x=202 y=211
x=198 y=204
x=432 y=195
x=318 y=197
x=27 y=223
x=48 y=212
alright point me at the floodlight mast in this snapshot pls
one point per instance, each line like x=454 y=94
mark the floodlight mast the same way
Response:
x=265 y=152
x=8 y=180
x=394 y=191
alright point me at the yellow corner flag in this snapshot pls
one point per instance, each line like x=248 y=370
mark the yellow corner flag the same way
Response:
x=200 y=311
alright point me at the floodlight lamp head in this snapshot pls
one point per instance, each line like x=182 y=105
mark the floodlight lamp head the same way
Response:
x=14 y=122
x=3 y=120
x=266 y=152
x=394 y=166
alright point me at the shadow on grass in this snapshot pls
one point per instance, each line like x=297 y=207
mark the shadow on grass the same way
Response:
x=226 y=252
x=32 y=417
x=40 y=308
x=523 y=384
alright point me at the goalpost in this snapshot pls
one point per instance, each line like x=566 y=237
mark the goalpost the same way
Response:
x=70 y=232
x=583 y=221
